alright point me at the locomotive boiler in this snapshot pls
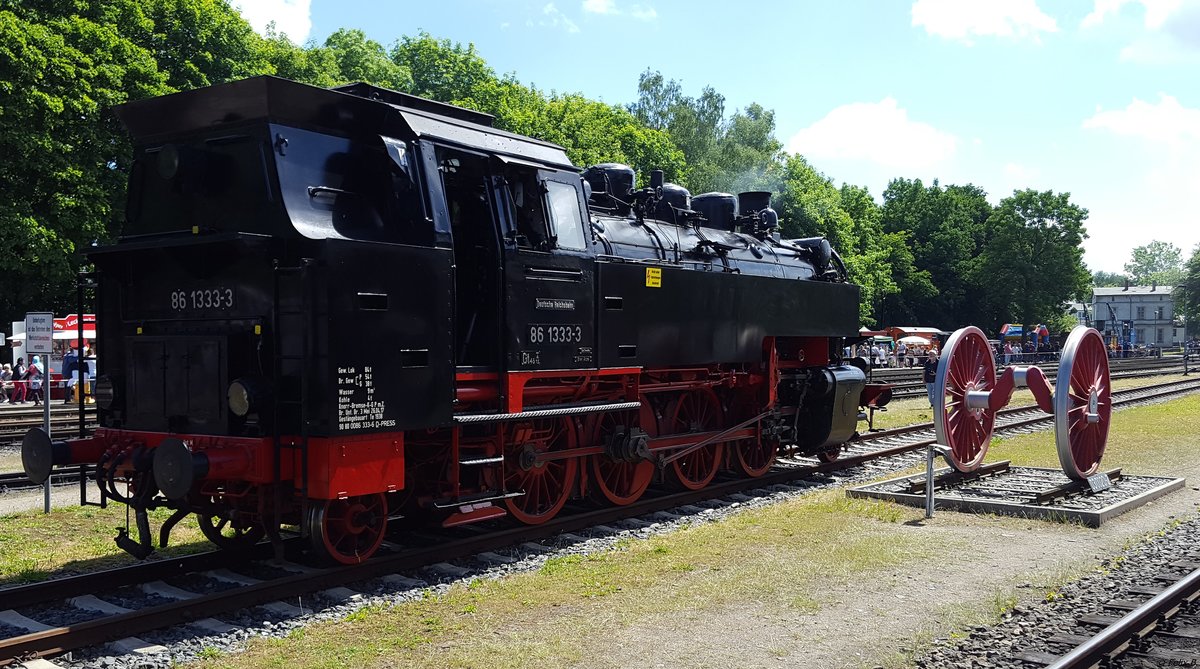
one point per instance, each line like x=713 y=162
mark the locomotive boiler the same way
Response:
x=332 y=308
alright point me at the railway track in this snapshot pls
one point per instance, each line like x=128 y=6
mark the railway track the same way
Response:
x=64 y=420
x=905 y=374
x=1158 y=631
x=905 y=389
x=191 y=590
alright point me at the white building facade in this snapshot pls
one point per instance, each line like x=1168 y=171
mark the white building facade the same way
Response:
x=1139 y=314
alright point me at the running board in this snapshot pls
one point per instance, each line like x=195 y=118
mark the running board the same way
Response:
x=545 y=413
x=478 y=499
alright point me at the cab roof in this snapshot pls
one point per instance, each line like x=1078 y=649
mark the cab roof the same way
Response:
x=353 y=110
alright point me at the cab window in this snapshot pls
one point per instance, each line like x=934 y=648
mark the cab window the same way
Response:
x=566 y=223
x=529 y=218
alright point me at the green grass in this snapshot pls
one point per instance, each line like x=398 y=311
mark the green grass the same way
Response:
x=916 y=409
x=35 y=546
x=779 y=556
x=1142 y=440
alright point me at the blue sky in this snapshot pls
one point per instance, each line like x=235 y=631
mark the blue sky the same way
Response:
x=1098 y=98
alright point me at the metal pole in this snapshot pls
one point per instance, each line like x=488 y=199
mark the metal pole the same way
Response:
x=46 y=408
x=929 y=450
x=80 y=360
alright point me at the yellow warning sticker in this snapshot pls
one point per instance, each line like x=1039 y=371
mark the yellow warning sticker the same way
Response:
x=654 y=277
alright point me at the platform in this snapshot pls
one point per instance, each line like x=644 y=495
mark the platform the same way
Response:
x=1030 y=492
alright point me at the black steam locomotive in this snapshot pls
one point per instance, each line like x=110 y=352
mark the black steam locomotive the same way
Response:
x=332 y=307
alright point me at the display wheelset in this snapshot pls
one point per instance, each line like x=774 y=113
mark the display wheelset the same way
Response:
x=968 y=394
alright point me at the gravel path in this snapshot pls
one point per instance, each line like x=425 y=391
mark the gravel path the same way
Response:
x=28 y=500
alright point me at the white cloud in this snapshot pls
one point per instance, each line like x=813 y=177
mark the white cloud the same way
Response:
x=643 y=13
x=555 y=19
x=879 y=133
x=1170 y=30
x=1157 y=11
x=609 y=7
x=962 y=19
x=1158 y=166
x=1167 y=122
x=292 y=17
x=599 y=6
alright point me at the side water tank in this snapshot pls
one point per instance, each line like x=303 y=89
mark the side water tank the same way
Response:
x=674 y=196
x=719 y=208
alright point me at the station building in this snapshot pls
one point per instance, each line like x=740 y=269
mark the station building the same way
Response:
x=1138 y=314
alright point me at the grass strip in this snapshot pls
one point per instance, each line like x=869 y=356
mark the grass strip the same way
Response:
x=778 y=557
x=36 y=546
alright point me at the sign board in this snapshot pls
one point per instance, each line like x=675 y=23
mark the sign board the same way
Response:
x=1099 y=482
x=39 y=333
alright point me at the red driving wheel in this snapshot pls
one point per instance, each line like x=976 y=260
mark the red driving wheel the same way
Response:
x=547 y=485
x=618 y=480
x=1082 y=403
x=967 y=366
x=694 y=411
x=347 y=531
x=755 y=456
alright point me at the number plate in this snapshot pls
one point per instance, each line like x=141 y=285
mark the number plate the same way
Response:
x=198 y=299
x=540 y=335
x=1099 y=482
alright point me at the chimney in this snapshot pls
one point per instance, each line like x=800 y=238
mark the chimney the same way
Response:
x=1126 y=288
x=1154 y=287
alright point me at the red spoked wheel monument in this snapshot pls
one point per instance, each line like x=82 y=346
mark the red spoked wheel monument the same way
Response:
x=971 y=393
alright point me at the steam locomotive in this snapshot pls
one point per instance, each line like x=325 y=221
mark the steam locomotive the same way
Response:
x=334 y=308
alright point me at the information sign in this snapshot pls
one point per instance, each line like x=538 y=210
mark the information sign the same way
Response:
x=1099 y=482
x=39 y=333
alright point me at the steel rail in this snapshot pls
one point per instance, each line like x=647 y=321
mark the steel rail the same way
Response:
x=1113 y=639
x=907 y=389
x=18 y=596
x=905 y=374
x=1119 y=395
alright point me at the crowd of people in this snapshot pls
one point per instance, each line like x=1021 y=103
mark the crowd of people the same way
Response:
x=22 y=384
x=902 y=355
x=1012 y=353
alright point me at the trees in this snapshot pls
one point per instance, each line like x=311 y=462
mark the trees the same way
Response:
x=944 y=228
x=1102 y=279
x=1156 y=262
x=738 y=153
x=61 y=179
x=444 y=71
x=1033 y=263
x=1187 y=296
x=360 y=59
